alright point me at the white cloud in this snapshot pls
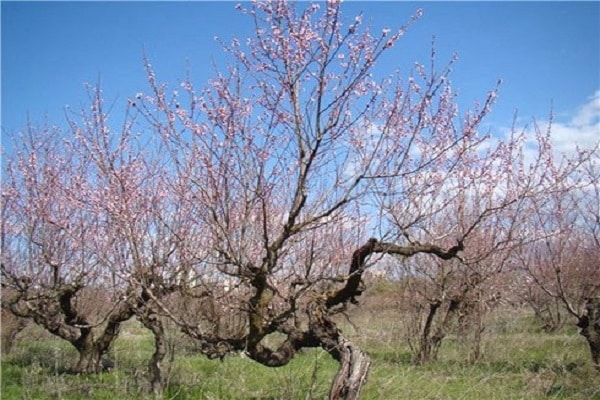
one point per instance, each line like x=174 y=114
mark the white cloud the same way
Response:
x=589 y=113
x=583 y=128
x=579 y=129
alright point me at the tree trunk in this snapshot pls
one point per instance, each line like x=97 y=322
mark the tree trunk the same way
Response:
x=590 y=329
x=431 y=342
x=11 y=326
x=90 y=360
x=91 y=351
x=354 y=364
x=155 y=373
x=353 y=372
x=476 y=350
x=425 y=342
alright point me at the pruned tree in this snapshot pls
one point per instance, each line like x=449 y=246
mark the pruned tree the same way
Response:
x=84 y=235
x=284 y=162
x=458 y=185
x=129 y=188
x=52 y=246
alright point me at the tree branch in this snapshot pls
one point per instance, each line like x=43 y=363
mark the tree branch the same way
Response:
x=352 y=288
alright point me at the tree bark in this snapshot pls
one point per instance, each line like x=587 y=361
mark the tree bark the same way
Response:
x=444 y=327
x=353 y=371
x=155 y=373
x=354 y=363
x=589 y=325
x=90 y=360
x=58 y=316
x=11 y=326
x=352 y=289
x=425 y=342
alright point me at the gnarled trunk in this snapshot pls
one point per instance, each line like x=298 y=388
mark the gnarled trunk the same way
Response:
x=353 y=372
x=90 y=360
x=55 y=311
x=11 y=326
x=354 y=363
x=91 y=352
x=155 y=373
x=590 y=329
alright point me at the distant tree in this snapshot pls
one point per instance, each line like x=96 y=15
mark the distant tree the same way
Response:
x=561 y=265
x=476 y=195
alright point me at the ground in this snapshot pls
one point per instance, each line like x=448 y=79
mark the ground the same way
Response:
x=520 y=362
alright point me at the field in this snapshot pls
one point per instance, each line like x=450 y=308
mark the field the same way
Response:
x=520 y=362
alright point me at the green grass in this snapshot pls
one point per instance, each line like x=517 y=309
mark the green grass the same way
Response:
x=518 y=363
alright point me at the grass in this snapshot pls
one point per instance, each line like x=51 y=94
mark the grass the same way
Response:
x=519 y=363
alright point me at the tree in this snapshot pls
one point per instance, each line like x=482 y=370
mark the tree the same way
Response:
x=561 y=264
x=142 y=220
x=467 y=188
x=284 y=159
x=52 y=246
x=83 y=224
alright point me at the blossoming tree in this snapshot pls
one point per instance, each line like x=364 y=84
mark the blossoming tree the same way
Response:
x=285 y=158
x=250 y=208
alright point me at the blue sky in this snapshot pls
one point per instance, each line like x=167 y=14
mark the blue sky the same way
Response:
x=547 y=54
